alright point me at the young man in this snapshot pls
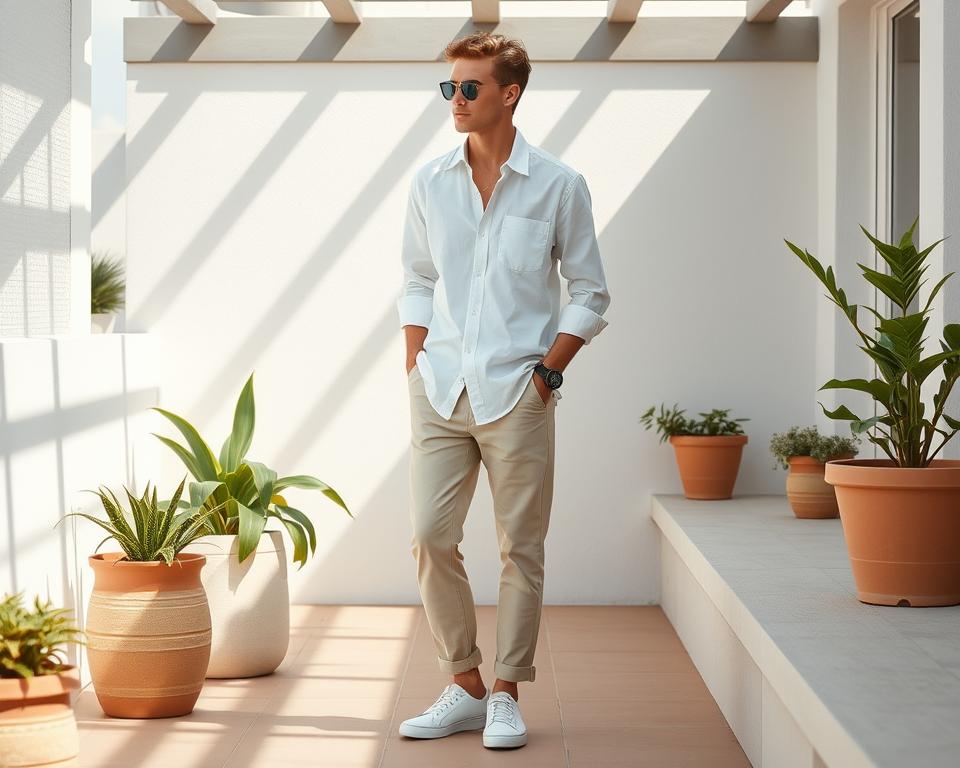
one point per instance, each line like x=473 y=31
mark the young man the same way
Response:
x=489 y=225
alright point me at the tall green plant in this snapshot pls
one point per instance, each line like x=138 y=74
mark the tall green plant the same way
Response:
x=156 y=534
x=31 y=642
x=106 y=284
x=903 y=432
x=245 y=493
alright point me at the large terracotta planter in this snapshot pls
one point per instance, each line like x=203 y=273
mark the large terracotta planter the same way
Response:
x=148 y=635
x=810 y=496
x=902 y=528
x=708 y=464
x=249 y=604
x=37 y=726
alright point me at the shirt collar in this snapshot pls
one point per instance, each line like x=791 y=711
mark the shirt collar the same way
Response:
x=519 y=159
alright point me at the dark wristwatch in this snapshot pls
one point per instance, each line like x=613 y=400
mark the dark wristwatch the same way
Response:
x=551 y=376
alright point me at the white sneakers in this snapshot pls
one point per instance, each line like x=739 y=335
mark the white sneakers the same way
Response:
x=456 y=710
x=505 y=726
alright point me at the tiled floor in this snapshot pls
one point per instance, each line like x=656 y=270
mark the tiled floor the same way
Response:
x=614 y=688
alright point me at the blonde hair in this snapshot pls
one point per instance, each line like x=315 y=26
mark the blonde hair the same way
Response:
x=511 y=65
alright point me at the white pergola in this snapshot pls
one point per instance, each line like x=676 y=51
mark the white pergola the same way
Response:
x=483 y=11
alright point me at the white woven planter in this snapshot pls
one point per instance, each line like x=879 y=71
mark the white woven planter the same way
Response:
x=249 y=604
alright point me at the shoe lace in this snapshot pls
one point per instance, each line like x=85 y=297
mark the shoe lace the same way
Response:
x=502 y=709
x=449 y=697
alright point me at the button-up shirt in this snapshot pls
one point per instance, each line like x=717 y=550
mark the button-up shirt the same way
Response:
x=485 y=282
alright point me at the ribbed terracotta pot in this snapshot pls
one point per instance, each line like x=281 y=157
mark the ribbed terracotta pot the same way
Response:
x=708 y=464
x=249 y=604
x=37 y=726
x=810 y=496
x=902 y=528
x=148 y=635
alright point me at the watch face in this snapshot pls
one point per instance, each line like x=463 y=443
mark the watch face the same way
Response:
x=554 y=379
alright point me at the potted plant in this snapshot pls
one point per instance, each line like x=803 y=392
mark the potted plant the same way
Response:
x=246 y=575
x=804 y=452
x=900 y=515
x=106 y=292
x=37 y=726
x=707 y=450
x=148 y=622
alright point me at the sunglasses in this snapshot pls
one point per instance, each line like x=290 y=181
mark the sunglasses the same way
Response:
x=469 y=89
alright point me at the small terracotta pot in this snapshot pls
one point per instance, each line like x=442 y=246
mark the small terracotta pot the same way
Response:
x=708 y=464
x=37 y=726
x=810 y=496
x=902 y=528
x=148 y=635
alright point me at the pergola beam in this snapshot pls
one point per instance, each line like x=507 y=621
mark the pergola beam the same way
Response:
x=623 y=10
x=485 y=11
x=343 y=11
x=194 y=11
x=765 y=10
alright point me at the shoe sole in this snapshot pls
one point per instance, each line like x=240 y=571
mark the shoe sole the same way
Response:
x=505 y=741
x=422 y=732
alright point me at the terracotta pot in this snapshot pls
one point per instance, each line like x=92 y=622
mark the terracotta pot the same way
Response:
x=902 y=528
x=148 y=635
x=249 y=604
x=810 y=496
x=708 y=464
x=37 y=726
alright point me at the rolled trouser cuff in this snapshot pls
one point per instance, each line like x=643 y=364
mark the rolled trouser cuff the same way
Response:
x=514 y=674
x=462 y=665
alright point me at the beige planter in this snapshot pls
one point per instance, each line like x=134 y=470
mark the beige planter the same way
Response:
x=103 y=322
x=810 y=496
x=249 y=604
x=37 y=726
x=148 y=635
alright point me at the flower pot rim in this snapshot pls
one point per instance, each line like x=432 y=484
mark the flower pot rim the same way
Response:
x=709 y=439
x=884 y=473
x=40 y=686
x=113 y=559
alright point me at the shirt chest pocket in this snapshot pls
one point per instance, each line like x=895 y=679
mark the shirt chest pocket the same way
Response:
x=524 y=243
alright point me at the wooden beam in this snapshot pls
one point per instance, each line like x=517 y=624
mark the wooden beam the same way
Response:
x=194 y=11
x=765 y=10
x=623 y=10
x=343 y=11
x=485 y=11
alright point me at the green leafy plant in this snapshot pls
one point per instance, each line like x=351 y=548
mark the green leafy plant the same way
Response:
x=156 y=534
x=31 y=642
x=673 y=422
x=901 y=431
x=245 y=493
x=106 y=284
x=807 y=441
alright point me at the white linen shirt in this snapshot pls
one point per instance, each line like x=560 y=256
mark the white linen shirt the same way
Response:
x=485 y=283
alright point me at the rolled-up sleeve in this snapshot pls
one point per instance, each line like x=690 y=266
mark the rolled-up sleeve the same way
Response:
x=580 y=264
x=415 y=305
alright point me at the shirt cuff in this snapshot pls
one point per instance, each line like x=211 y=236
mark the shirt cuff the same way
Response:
x=578 y=320
x=415 y=310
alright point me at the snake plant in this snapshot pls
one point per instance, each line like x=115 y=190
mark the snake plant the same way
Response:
x=244 y=493
x=31 y=641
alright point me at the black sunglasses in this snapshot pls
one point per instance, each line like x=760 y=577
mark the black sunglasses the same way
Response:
x=469 y=89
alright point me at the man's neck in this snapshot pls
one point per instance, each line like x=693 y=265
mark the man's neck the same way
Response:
x=489 y=150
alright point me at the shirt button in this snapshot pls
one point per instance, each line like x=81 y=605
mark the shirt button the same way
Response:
x=483 y=234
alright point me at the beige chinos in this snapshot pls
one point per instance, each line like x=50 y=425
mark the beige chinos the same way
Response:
x=518 y=452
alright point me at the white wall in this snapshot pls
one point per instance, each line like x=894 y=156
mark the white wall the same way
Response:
x=264 y=217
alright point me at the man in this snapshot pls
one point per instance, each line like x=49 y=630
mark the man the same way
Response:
x=489 y=225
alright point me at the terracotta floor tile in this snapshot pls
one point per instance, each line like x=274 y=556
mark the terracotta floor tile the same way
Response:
x=620 y=661
x=639 y=686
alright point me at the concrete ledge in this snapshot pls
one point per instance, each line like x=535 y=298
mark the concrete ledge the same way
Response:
x=805 y=673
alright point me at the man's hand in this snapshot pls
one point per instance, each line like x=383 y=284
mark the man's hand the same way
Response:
x=542 y=387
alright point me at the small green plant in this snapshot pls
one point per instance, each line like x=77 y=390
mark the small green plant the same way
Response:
x=31 y=642
x=897 y=352
x=156 y=534
x=244 y=493
x=807 y=441
x=673 y=422
x=106 y=284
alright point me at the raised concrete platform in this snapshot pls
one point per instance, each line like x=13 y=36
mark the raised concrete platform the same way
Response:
x=805 y=673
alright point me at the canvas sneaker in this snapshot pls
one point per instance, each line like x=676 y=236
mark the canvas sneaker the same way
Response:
x=505 y=726
x=454 y=710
